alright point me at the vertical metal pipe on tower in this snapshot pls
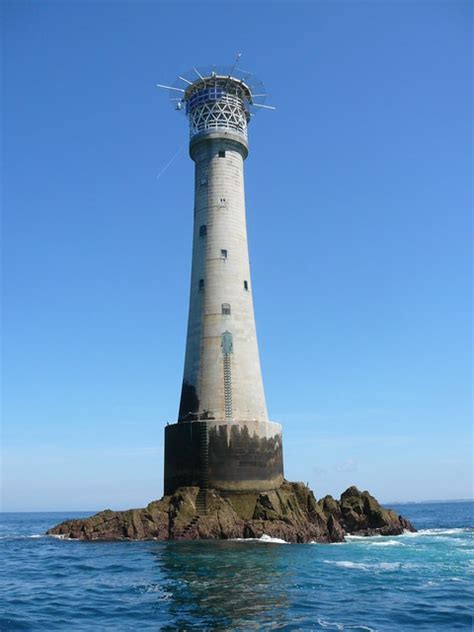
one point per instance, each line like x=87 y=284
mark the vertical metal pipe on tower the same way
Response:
x=223 y=438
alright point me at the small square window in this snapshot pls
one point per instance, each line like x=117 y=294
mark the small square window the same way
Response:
x=201 y=284
x=225 y=309
x=224 y=254
x=222 y=153
x=222 y=201
x=246 y=285
x=202 y=230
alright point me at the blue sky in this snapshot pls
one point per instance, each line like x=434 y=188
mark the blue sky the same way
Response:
x=358 y=200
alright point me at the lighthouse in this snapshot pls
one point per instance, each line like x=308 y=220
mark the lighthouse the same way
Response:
x=223 y=438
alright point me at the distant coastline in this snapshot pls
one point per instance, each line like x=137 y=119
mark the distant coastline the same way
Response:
x=427 y=502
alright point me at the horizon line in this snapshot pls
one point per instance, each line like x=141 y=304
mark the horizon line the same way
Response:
x=398 y=502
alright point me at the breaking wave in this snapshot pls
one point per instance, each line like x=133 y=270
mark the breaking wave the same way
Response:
x=264 y=538
x=22 y=537
x=364 y=566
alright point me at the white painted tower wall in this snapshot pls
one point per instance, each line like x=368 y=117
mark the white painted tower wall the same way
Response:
x=221 y=277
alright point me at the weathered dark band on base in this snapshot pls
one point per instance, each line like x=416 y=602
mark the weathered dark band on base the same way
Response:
x=226 y=456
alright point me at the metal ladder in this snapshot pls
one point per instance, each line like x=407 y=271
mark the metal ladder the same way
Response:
x=227 y=347
x=227 y=386
x=201 y=499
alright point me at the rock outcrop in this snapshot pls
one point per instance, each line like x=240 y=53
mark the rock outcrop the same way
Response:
x=291 y=513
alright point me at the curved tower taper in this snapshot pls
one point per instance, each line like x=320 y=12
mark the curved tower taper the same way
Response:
x=223 y=438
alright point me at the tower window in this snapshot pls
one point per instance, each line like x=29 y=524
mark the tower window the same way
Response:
x=222 y=201
x=202 y=230
x=225 y=309
x=246 y=285
x=201 y=284
x=224 y=254
x=222 y=153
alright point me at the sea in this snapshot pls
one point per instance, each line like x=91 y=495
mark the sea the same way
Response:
x=416 y=581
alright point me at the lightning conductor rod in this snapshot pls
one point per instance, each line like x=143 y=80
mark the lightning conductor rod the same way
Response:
x=237 y=59
x=267 y=107
x=160 y=85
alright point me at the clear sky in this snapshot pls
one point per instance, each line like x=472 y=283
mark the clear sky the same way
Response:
x=358 y=192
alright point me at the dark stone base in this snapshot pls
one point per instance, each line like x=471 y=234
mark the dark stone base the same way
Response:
x=244 y=456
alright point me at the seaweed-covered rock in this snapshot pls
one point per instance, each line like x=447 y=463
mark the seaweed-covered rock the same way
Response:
x=363 y=515
x=291 y=513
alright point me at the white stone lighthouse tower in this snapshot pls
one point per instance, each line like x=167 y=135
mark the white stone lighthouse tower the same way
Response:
x=223 y=438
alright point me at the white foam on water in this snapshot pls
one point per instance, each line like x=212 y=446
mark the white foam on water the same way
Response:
x=264 y=538
x=373 y=540
x=267 y=538
x=431 y=584
x=436 y=532
x=334 y=625
x=381 y=566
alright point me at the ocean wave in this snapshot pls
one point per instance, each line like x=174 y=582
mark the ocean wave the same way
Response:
x=264 y=538
x=373 y=540
x=380 y=566
x=334 y=625
x=13 y=536
x=330 y=624
x=161 y=593
x=388 y=543
x=382 y=540
x=438 y=532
